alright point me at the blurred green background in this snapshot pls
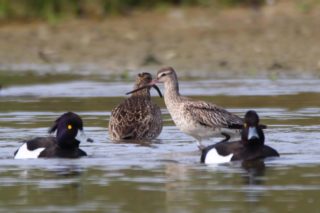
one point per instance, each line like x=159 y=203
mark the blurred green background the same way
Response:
x=53 y=9
x=218 y=38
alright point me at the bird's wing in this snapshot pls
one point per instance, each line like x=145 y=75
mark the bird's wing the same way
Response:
x=126 y=115
x=213 y=116
x=223 y=149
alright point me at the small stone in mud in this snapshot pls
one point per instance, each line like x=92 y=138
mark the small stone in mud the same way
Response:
x=150 y=59
x=223 y=63
x=276 y=66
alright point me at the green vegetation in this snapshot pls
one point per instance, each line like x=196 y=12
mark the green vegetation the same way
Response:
x=8 y=78
x=52 y=10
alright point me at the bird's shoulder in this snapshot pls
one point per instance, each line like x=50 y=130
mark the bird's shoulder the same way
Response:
x=40 y=142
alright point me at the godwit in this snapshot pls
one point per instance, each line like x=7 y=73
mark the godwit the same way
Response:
x=250 y=147
x=137 y=118
x=64 y=145
x=198 y=119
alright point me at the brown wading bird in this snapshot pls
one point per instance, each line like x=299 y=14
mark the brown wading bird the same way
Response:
x=137 y=117
x=198 y=119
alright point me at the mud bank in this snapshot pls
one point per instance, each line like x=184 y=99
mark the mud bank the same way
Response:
x=276 y=41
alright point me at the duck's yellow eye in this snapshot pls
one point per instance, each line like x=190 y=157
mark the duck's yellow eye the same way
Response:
x=69 y=126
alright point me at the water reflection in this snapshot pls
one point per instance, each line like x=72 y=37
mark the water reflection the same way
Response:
x=255 y=171
x=68 y=171
x=253 y=179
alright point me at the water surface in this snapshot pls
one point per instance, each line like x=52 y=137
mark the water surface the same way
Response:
x=164 y=175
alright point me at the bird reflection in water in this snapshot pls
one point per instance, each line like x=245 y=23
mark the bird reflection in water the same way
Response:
x=255 y=171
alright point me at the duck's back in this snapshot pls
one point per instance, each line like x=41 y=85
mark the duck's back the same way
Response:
x=46 y=147
x=234 y=151
x=253 y=153
x=34 y=147
x=269 y=152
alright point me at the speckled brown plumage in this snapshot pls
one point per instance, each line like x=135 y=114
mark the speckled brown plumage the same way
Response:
x=199 y=119
x=137 y=117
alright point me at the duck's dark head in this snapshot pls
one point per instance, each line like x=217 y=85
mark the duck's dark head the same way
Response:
x=143 y=85
x=67 y=127
x=252 y=133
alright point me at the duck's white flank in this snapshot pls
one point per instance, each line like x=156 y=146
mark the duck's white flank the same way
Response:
x=24 y=153
x=213 y=157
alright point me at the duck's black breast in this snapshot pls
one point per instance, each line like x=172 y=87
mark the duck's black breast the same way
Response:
x=58 y=151
x=55 y=151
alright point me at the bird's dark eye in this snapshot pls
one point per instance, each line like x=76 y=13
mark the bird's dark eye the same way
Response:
x=163 y=74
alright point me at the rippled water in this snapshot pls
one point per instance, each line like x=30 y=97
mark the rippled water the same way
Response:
x=165 y=175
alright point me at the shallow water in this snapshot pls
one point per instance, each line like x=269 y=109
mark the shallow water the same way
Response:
x=165 y=175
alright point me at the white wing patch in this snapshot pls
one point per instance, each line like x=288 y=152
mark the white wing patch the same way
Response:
x=25 y=153
x=213 y=157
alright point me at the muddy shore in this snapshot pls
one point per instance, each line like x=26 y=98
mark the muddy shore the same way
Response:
x=276 y=41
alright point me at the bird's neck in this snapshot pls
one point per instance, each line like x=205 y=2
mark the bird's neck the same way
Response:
x=73 y=144
x=66 y=141
x=171 y=92
x=253 y=144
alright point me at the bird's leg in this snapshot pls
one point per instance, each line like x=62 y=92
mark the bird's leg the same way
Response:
x=200 y=145
x=225 y=135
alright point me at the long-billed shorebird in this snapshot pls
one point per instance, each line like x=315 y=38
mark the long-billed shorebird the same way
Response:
x=198 y=119
x=137 y=118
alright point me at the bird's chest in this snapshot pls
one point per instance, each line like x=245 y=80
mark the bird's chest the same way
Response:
x=179 y=116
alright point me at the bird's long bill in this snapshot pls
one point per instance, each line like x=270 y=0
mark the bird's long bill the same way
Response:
x=158 y=90
x=151 y=84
